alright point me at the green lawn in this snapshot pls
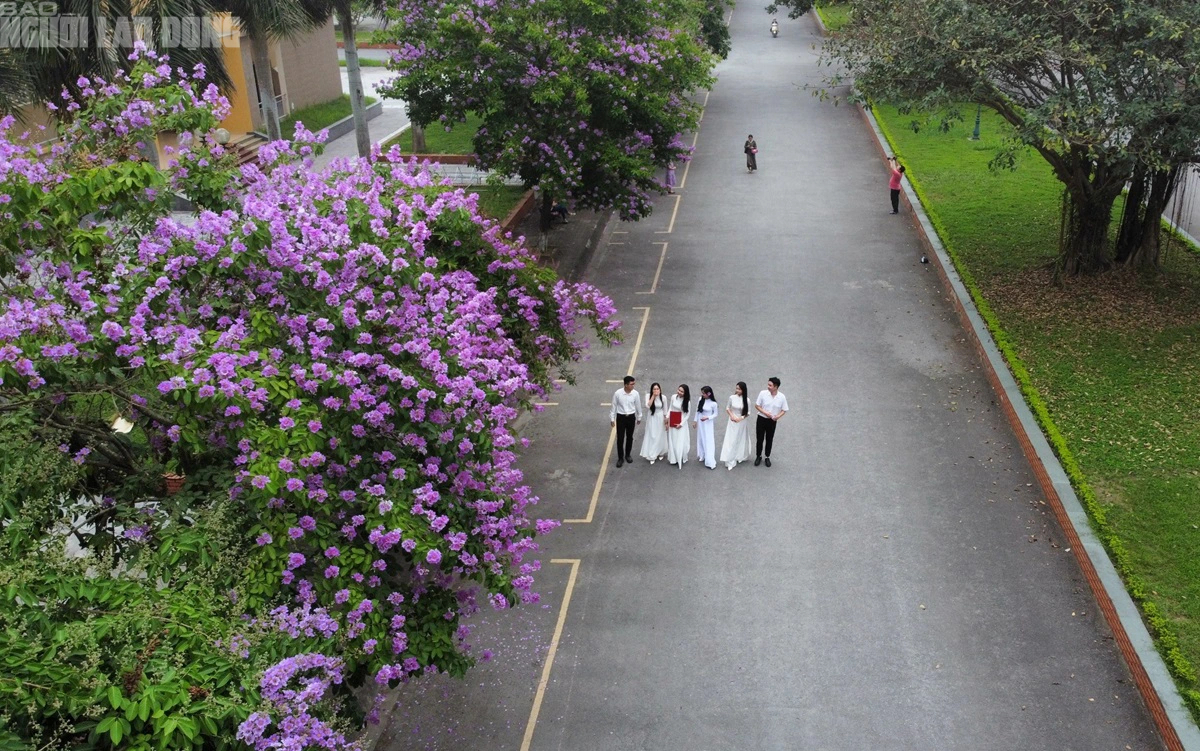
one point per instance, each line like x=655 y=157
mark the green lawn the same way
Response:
x=498 y=201
x=834 y=15
x=366 y=62
x=318 y=116
x=458 y=140
x=360 y=37
x=1115 y=359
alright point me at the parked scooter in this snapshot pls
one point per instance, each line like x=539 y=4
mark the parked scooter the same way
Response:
x=774 y=28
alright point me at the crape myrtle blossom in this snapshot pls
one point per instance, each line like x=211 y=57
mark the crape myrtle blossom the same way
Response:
x=353 y=345
x=585 y=101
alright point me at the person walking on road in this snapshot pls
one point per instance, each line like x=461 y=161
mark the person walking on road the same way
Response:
x=735 y=448
x=679 y=438
x=706 y=418
x=671 y=177
x=771 y=405
x=897 y=171
x=654 y=440
x=625 y=414
x=751 y=149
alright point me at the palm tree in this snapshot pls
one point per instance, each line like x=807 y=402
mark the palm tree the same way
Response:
x=266 y=21
x=39 y=74
x=346 y=12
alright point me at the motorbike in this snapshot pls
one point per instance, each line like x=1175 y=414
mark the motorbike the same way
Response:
x=774 y=29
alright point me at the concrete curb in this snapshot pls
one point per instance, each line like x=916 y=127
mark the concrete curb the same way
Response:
x=582 y=261
x=394 y=134
x=820 y=24
x=346 y=124
x=1182 y=232
x=1158 y=690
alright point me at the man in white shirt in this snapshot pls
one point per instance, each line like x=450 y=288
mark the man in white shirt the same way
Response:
x=771 y=406
x=625 y=415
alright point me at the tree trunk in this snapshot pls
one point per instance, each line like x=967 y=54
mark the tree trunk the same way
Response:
x=1139 y=243
x=1133 y=218
x=261 y=51
x=544 y=214
x=358 y=107
x=1083 y=241
x=418 y=135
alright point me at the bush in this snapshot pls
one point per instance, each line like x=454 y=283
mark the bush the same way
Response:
x=333 y=360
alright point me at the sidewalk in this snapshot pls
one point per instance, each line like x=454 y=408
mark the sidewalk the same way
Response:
x=389 y=122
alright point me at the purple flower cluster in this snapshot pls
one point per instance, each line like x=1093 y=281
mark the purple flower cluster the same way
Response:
x=353 y=344
x=587 y=104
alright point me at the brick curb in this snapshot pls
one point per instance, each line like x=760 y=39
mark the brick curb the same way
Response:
x=1154 y=682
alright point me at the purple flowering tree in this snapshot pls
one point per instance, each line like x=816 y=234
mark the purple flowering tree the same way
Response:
x=333 y=358
x=585 y=100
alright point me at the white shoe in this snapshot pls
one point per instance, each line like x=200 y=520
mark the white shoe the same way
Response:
x=651 y=462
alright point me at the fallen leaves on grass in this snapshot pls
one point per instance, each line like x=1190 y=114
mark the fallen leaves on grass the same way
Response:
x=1120 y=300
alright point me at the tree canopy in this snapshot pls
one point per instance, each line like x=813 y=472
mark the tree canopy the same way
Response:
x=586 y=100
x=1096 y=88
x=333 y=362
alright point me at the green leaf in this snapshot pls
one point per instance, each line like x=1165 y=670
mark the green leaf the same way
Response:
x=114 y=696
x=118 y=731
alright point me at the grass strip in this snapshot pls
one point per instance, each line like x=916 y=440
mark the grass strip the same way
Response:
x=459 y=139
x=1110 y=365
x=367 y=62
x=318 y=116
x=834 y=15
x=497 y=201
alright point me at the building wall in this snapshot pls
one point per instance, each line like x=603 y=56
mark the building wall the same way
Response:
x=241 y=113
x=310 y=68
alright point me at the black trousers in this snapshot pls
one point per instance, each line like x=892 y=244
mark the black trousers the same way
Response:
x=625 y=426
x=895 y=200
x=764 y=428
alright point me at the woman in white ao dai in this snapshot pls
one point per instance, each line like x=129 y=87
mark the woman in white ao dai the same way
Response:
x=706 y=419
x=654 y=440
x=738 y=436
x=679 y=436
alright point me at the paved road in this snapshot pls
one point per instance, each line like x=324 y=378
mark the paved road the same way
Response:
x=892 y=582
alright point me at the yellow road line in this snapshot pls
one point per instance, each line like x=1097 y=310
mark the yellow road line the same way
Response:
x=658 y=272
x=558 y=629
x=637 y=346
x=612 y=434
x=688 y=166
x=671 y=225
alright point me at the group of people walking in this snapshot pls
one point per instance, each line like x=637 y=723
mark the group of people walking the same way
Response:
x=668 y=436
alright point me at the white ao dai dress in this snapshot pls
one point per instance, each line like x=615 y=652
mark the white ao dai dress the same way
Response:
x=654 y=440
x=739 y=438
x=706 y=442
x=679 y=440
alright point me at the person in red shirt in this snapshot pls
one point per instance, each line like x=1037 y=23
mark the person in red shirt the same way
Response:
x=897 y=173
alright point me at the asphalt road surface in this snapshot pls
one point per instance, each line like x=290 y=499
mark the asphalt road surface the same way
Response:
x=894 y=581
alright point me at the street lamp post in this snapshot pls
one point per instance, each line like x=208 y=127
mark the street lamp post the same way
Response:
x=975 y=134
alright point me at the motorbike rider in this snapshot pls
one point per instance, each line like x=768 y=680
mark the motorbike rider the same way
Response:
x=774 y=27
